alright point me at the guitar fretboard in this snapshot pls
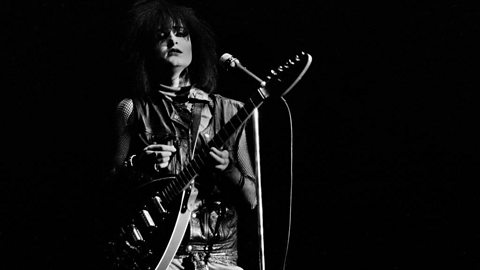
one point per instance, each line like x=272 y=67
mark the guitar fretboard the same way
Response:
x=192 y=169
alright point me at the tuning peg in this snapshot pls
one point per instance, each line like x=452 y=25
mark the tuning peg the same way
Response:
x=147 y=218
x=135 y=233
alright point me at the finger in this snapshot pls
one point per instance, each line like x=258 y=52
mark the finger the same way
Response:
x=221 y=153
x=158 y=154
x=214 y=149
x=163 y=153
x=150 y=152
x=163 y=165
x=163 y=159
x=220 y=167
x=161 y=147
x=217 y=158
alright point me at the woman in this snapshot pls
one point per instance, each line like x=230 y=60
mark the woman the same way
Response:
x=172 y=115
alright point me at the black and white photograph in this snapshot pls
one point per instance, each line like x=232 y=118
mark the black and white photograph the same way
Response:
x=240 y=135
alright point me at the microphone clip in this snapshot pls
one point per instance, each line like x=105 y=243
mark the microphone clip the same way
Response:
x=228 y=61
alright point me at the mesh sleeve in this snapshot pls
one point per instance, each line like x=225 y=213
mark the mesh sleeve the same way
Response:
x=244 y=159
x=123 y=114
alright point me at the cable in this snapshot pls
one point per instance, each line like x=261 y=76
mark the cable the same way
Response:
x=291 y=184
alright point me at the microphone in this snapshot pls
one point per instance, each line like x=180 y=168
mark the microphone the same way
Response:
x=227 y=60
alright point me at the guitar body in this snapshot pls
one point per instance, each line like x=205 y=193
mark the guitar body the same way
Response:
x=178 y=232
x=152 y=229
x=156 y=214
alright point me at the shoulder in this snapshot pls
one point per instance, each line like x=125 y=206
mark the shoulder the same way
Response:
x=124 y=110
x=125 y=106
x=227 y=102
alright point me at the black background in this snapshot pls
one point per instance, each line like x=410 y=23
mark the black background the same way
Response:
x=385 y=147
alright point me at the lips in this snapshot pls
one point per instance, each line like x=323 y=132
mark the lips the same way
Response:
x=174 y=50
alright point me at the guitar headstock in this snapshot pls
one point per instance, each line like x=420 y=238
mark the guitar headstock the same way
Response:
x=282 y=79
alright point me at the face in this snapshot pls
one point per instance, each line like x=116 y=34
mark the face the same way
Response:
x=173 y=45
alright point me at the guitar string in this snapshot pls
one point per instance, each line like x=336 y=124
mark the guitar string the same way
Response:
x=186 y=174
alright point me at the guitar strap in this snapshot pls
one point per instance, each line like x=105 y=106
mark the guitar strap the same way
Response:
x=196 y=117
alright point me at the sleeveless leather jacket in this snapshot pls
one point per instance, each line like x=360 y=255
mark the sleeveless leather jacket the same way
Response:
x=213 y=226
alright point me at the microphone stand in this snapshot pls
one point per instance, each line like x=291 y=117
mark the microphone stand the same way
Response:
x=259 y=189
x=233 y=62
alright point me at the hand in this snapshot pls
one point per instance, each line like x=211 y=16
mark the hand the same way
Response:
x=221 y=159
x=161 y=153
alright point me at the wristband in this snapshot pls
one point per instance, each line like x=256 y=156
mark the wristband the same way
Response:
x=129 y=161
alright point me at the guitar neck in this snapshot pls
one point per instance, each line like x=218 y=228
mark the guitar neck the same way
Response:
x=284 y=78
x=238 y=119
x=199 y=160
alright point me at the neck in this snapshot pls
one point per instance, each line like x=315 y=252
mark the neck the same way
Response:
x=171 y=76
x=176 y=79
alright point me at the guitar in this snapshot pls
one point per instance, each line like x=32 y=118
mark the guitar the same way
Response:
x=155 y=222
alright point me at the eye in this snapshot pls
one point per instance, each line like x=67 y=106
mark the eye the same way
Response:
x=181 y=31
x=162 y=35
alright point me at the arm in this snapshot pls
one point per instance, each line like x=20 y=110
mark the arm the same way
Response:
x=122 y=136
x=145 y=159
x=236 y=168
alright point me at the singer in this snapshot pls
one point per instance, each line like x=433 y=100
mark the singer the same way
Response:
x=172 y=113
